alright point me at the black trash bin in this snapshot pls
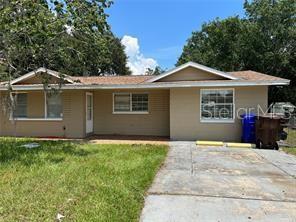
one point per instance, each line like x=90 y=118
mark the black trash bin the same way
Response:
x=268 y=131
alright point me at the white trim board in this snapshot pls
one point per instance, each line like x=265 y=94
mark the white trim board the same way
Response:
x=36 y=119
x=194 y=65
x=154 y=85
x=35 y=72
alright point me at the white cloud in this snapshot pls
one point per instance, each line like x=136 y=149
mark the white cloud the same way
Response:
x=69 y=29
x=137 y=62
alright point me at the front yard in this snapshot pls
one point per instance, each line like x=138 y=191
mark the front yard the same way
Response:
x=82 y=182
x=292 y=142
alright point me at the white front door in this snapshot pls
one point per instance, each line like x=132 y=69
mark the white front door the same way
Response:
x=89 y=113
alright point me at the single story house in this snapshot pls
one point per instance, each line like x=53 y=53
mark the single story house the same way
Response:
x=189 y=102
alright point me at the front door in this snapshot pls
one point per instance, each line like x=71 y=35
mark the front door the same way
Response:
x=89 y=113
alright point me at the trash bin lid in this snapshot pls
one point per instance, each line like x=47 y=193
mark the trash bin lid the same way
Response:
x=270 y=116
x=248 y=115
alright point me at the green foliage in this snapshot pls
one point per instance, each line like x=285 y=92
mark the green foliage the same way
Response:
x=157 y=71
x=70 y=36
x=263 y=41
x=83 y=182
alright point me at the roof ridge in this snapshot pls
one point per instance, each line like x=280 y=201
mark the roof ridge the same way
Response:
x=114 y=76
x=248 y=70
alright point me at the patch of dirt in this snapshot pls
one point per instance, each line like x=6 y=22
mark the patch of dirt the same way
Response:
x=119 y=139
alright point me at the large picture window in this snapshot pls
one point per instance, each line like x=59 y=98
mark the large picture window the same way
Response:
x=20 y=109
x=54 y=106
x=217 y=105
x=130 y=103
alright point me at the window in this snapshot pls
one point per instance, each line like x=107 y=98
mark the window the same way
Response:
x=89 y=107
x=217 y=105
x=20 y=110
x=130 y=103
x=53 y=106
x=121 y=102
x=140 y=102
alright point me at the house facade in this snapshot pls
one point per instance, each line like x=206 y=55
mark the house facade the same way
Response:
x=189 y=102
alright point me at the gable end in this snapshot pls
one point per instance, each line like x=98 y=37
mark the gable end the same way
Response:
x=34 y=77
x=201 y=73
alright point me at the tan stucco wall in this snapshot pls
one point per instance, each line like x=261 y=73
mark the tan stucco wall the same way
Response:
x=72 y=125
x=74 y=113
x=191 y=74
x=174 y=112
x=155 y=123
x=36 y=104
x=185 y=114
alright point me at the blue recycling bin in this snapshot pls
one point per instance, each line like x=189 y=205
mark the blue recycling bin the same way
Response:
x=248 y=128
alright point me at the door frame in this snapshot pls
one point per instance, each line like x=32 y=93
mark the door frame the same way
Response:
x=86 y=113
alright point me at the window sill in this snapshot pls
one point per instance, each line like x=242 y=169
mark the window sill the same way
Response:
x=217 y=120
x=36 y=119
x=130 y=112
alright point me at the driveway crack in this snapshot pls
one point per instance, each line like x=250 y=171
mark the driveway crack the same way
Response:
x=217 y=196
x=275 y=165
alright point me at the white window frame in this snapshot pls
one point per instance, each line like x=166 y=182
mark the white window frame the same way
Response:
x=11 y=118
x=202 y=120
x=131 y=104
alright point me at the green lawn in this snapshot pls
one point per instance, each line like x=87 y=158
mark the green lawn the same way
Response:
x=80 y=181
x=292 y=141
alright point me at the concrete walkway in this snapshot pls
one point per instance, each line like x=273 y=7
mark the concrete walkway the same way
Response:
x=221 y=184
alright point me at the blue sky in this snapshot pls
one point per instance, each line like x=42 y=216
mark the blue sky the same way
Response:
x=158 y=29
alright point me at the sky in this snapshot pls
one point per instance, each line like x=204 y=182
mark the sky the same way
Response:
x=155 y=31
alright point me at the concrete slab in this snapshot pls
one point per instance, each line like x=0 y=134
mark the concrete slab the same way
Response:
x=178 y=182
x=283 y=161
x=229 y=162
x=178 y=164
x=277 y=157
x=170 y=208
x=222 y=184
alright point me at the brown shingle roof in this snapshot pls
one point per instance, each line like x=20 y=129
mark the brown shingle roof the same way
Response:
x=254 y=76
x=140 y=79
x=121 y=80
x=105 y=80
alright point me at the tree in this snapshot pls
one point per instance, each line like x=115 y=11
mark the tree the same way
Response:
x=156 y=71
x=216 y=45
x=94 y=48
x=263 y=41
x=28 y=32
x=70 y=36
x=273 y=23
x=119 y=61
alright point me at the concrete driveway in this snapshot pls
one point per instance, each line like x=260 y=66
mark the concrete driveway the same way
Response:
x=221 y=184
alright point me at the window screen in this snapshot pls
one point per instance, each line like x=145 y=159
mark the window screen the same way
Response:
x=140 y=102
x=217 y=104
x=54 y=106
x=131 y=102
x=122 y=102
x=20 y=110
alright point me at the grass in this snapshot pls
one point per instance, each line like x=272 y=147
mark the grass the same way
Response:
x=292 y=142
x=83 y=182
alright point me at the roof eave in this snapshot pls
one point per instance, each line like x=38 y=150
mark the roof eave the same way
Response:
x=153 y=85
